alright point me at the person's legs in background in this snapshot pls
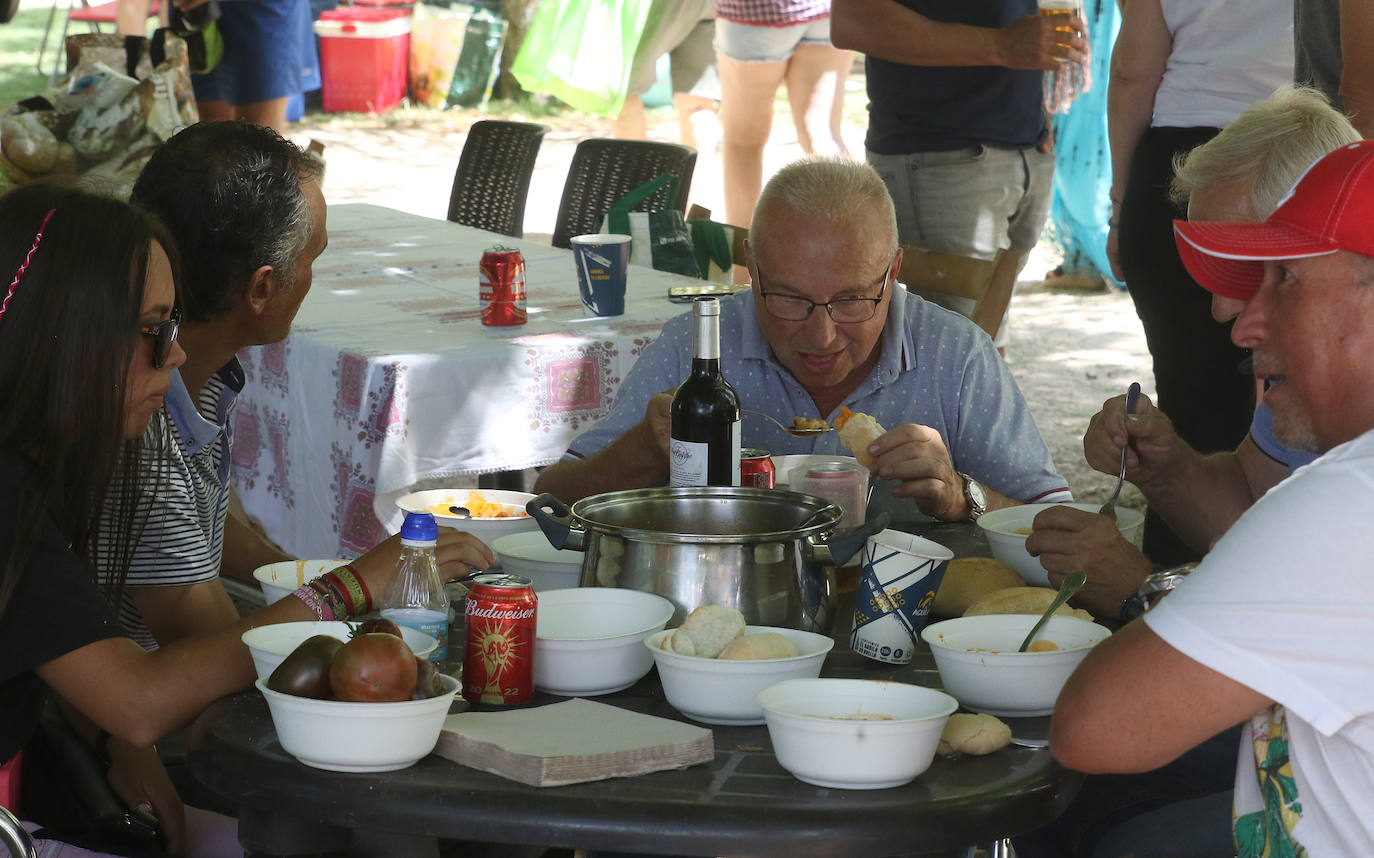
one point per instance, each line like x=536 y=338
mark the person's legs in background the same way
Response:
x=815 y=89
x=752 y=62
x=261 y=67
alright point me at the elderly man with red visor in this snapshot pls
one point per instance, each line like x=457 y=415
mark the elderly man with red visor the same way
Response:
x=1275 y=629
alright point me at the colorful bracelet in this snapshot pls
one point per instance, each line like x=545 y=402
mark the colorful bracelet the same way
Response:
x=337 y=593
x=328 y=596
x=312 y=601
x=349 y=578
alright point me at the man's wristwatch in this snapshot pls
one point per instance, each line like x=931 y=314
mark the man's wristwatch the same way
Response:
x=1155 y=585
x=976 y=497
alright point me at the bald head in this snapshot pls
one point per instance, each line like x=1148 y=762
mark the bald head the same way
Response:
x=846 y=194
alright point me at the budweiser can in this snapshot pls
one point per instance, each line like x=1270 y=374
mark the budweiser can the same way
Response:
x=756 y=468
x=501 y=286
x=498 y=664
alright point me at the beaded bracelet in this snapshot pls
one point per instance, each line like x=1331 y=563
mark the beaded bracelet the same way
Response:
x=312 y=601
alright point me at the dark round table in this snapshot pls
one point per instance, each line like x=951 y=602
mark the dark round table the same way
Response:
x=741 y=803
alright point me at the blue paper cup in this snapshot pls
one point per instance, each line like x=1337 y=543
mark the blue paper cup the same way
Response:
x=603 y=261
x=901 y=573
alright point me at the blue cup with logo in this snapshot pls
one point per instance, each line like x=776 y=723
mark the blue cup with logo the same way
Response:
x=603 y=263
x=901 y=573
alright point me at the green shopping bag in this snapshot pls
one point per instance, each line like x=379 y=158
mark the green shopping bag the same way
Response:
x=581 y=51
x=658 y=239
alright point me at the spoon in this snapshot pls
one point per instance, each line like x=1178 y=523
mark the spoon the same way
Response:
x=790 y=430
x=1109 y=508
x=1071 y=585
x=460 y=511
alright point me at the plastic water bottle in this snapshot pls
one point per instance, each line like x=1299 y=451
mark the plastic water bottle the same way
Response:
x=416 y=597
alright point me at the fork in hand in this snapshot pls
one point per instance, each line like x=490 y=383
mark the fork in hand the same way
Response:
x=1109 y=508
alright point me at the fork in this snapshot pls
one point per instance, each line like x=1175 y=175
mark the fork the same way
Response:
x=1132 y=397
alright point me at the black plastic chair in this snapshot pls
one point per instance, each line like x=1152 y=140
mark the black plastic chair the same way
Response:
x=493 y=177
x=603 y=170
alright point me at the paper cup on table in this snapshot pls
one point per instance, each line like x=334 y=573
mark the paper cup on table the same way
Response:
x=901 y=573
x=603 y=262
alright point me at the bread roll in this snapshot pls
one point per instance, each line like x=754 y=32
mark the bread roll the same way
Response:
x=969 y=578
x=973 y=734
x=1022 y=600
x=759 y=646
x=706 y=631
x=858 y=430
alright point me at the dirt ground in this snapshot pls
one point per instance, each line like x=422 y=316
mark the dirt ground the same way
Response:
x=1068 y=349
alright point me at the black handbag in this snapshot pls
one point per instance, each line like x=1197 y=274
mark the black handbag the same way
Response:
x=66 y=791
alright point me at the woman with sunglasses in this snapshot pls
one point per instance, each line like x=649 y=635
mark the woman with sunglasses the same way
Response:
x=87 y=347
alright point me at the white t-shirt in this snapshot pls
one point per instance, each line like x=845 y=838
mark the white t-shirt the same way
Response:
x=1226 y=55
x=1284 y=604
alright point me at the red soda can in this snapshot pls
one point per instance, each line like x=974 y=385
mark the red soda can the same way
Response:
x=501 y=286
x=498 y=663
x=756 y=468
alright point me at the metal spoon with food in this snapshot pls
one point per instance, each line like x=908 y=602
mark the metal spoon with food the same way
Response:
x=793 y=430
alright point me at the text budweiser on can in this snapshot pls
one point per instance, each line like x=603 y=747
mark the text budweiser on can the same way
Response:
x=498 y=663
x=501 y=286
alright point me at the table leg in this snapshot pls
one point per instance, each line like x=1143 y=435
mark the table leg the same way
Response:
x=513 y=481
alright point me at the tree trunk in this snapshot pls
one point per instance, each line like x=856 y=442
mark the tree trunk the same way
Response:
x=519 y=14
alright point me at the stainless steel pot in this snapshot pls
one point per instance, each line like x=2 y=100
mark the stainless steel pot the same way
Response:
x=763 y=552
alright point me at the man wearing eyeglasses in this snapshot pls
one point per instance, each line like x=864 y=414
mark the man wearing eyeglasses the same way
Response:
x=827 y=325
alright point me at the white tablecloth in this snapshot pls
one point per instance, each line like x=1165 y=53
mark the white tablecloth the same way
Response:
x=389 y=377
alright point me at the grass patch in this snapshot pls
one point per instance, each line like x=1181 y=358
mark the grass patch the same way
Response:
x=19 y=40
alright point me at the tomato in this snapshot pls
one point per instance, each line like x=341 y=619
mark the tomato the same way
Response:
x=427 y=681
x=305 y=672
x=377 y=625
x=373 y=667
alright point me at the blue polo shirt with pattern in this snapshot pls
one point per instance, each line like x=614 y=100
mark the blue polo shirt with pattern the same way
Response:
x=935 y=368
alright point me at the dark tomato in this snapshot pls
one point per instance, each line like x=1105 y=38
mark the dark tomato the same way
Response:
x=377 y=625
x=305 y=672
x=427 y=681
x=373 y=668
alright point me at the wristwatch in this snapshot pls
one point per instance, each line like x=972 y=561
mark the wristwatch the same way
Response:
x=1155 y=585
x=976 y=497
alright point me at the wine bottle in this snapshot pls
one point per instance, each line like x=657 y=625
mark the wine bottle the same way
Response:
x=705 y=414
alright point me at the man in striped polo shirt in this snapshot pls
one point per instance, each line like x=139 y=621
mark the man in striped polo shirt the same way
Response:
x=248 y=216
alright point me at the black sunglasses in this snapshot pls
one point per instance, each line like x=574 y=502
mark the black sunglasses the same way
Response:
x=164 y=334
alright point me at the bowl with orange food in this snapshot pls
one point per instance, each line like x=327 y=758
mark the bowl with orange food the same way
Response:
x=487 y=514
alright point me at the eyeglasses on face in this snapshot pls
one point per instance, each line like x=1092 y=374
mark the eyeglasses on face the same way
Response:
x=843 y=311
x=164 y=334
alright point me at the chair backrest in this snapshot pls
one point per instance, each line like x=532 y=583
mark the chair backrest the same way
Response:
x=14 y=837
x=932 y=274
x=493 y=177
x=603 y=170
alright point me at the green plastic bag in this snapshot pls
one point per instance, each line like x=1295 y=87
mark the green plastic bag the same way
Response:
x=580 y=51
x=659 y=239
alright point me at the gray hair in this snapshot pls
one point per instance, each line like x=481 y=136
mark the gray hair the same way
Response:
x=1270 y=145
x=833 y=189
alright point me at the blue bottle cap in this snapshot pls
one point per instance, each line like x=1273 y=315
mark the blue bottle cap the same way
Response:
x=419 y=527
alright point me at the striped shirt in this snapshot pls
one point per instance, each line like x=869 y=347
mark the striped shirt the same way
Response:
x=772 y=13
x=183 y=539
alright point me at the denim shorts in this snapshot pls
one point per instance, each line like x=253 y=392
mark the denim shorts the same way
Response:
x=747 y=43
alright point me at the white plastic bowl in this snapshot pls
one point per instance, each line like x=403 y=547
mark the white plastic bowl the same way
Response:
x=358 y=737
x=485 y=529
x=531 y=555
x=270 y=645
x=818 y=747
x=722 y=691
x=979 y=664
x=1000 y=526
x=589 y=640
x=279 y=580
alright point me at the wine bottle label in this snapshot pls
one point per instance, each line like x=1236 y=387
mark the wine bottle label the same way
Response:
x=687 y=463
